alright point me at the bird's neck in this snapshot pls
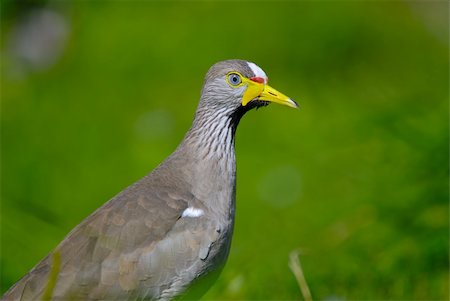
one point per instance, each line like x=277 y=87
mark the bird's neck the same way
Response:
x=208 y=149
x=211 y=137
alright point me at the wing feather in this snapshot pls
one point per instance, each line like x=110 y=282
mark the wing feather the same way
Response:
x=98 y=257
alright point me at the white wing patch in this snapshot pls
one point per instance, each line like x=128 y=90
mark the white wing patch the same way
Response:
x=257 y=71
x=192 y=212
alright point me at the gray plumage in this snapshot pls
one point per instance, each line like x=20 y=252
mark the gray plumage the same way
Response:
x=139 y=245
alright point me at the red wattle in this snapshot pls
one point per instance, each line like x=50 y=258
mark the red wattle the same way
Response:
x=258 y=79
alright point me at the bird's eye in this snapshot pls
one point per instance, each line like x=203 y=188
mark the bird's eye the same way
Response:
x=234 y=79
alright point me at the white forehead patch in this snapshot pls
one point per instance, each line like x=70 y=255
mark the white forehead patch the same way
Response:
x=192 y=212
x=258 y=71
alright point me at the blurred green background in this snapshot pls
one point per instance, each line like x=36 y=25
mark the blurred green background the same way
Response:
x=96 y=94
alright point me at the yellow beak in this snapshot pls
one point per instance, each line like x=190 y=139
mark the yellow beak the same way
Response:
x=260 y=91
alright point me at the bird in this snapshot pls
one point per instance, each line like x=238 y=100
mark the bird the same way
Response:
x=163 y=235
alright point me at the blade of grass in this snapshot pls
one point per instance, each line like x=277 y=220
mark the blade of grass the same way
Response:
x=296 y=268
x=56 y=263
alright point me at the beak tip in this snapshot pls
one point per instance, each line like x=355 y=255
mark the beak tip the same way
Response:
x=293 y=103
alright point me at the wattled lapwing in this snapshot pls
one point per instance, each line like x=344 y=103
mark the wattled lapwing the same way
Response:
x=156 y=238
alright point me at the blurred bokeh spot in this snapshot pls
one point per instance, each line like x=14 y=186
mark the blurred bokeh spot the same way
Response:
x=154 y=124
x=281 y=186
x=36 y=41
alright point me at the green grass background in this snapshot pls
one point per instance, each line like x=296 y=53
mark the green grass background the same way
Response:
x=357 y=179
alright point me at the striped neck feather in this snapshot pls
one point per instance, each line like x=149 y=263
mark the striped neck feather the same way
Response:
x=212 y=133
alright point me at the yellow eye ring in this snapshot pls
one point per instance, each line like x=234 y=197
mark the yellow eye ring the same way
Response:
x=234 y=79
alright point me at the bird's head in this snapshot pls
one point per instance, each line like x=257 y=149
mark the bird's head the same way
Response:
x=240 y=85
